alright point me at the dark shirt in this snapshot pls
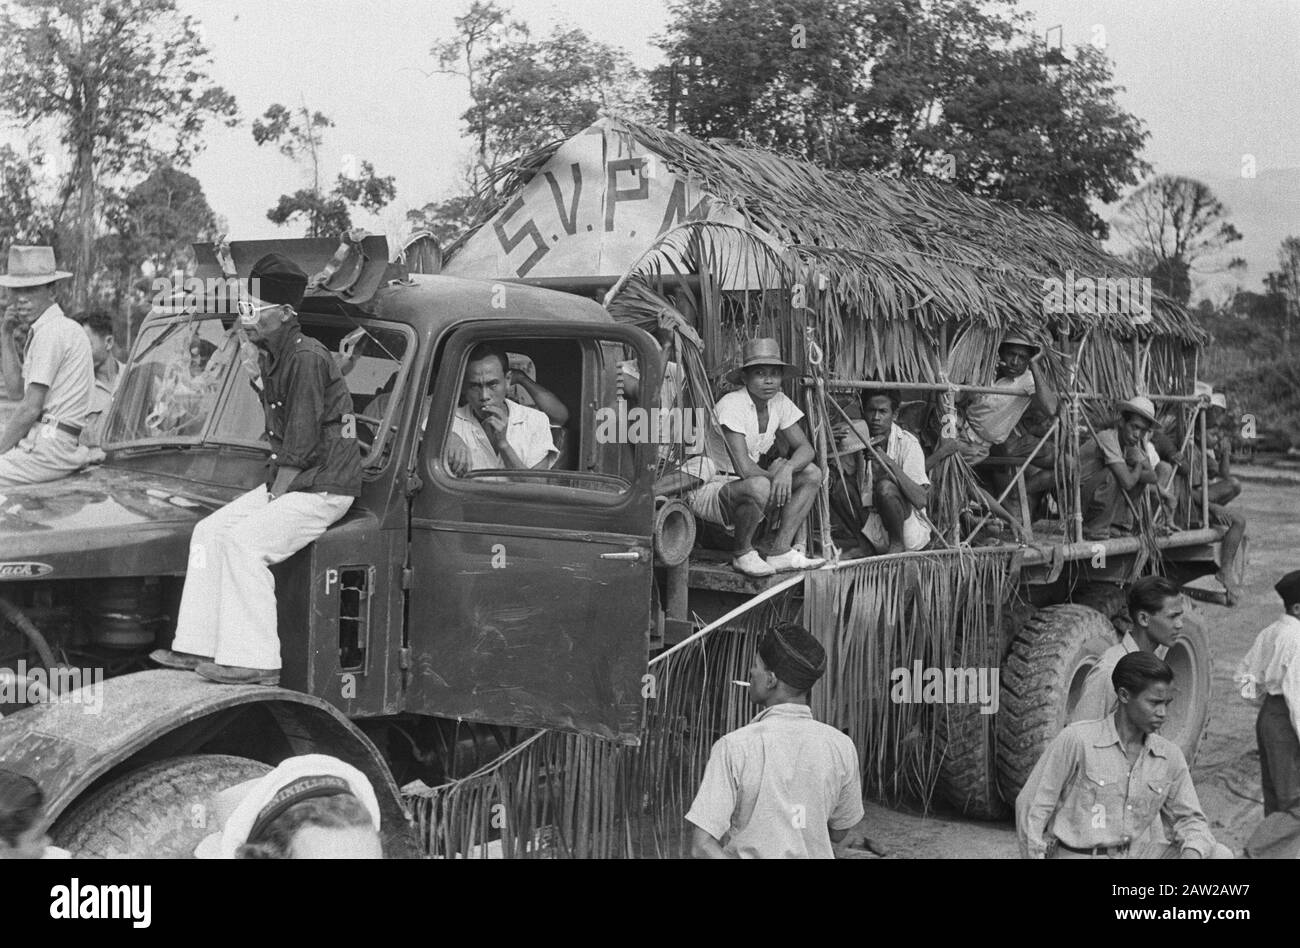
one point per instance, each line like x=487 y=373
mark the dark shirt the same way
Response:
x=306 y=403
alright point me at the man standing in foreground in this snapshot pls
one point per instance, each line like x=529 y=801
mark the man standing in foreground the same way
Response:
x=1100 y=785
x=1270 y=676
x=785 y=785
x=226 y=630
x=40 y=442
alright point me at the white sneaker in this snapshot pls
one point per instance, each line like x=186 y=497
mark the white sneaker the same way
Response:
x=751 y=564
x=793 y=560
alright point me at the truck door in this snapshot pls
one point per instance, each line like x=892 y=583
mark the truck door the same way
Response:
x=530 y=591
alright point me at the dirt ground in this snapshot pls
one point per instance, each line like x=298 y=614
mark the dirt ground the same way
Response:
x=1226 y=771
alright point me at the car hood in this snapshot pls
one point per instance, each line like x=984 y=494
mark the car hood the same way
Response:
x=101 y=522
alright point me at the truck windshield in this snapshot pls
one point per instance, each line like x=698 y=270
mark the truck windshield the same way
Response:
x=188 y=383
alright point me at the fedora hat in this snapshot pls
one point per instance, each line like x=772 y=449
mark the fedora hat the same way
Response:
x=759 y=352
x=1018 y=339
x=31 y=266
x=1140 y=405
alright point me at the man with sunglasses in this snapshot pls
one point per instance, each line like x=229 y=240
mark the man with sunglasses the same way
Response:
x=226 y=627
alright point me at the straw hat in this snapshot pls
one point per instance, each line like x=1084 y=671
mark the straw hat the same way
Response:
x=1018 y=339
x=31 y=266
x=244 y=805
x=759 y=352
x=1140 y=405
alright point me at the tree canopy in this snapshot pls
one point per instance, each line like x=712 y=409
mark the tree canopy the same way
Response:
x=298 y=133
x=955 y=88
x=126 y=83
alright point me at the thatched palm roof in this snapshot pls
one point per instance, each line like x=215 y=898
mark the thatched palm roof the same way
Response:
x=904 y=261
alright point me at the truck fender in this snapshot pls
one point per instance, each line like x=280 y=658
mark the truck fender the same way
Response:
x=104 y=729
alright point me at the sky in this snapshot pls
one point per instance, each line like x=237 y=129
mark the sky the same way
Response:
x=1214 y=81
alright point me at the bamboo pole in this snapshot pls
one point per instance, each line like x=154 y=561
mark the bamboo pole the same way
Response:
x=1056 y=423
x=1205 y=473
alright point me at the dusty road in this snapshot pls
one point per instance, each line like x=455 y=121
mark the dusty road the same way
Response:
x=1226 y=771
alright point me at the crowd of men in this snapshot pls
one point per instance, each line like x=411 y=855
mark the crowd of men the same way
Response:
x=785 y=785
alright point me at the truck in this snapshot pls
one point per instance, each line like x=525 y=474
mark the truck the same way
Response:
x=477 y=641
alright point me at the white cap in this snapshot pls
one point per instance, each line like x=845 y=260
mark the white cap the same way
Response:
x=238 y=807
x=1219 y=400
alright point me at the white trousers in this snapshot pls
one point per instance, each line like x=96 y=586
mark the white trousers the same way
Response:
x=44 y=454
x=228 y=606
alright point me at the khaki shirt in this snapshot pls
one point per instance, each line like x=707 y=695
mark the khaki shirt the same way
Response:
x=57 y=355
x=1084 y=792
x=775 y=787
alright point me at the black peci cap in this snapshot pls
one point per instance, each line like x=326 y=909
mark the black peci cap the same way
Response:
x=277 y=279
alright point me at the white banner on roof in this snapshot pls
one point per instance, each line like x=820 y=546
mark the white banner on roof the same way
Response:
x=597 y=206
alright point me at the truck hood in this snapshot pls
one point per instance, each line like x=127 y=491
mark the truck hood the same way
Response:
x=101 y=522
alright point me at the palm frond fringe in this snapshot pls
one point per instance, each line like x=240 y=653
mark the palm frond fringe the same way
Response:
x=567 y=795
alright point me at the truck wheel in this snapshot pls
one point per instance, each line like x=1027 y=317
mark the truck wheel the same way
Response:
x=1189 y=657
x=1042 y=680
x=1110 y=599
x=967 y=771
x=161 y=811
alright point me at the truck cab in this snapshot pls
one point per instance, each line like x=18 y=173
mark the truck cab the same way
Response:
x=500 y=599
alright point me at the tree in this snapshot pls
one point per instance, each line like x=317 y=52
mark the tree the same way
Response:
x=445 y=220
x=1287 y=282
x=955 y=88
x=299 y=135
x=526 y=93
x=1172 y=223
x=126 y=82
x=150 y=230
x=23 y=217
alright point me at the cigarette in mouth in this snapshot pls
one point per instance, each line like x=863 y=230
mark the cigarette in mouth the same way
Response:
x=743 y=684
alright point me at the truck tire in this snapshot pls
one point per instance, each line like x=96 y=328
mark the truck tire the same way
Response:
x=1110 y=599
x=1042 y=679
x=967 y=766
x=1189 y=657
x=160 y=811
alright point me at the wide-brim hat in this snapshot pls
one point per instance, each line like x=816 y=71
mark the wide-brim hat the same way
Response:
x=238 y=807
x=31 y=266
x=1140 y=405
x=1019 y=339
x=759 y=352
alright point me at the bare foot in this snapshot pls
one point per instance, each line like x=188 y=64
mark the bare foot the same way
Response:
x=895 y=546
x=1232 y=592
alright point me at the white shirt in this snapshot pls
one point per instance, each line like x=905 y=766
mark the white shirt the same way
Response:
x=773 y=787
x=57 y=355
x=1272 y=666
x=737 y=412
x=528 y=431
x=903 y=448
x=1098 y=698
x=991 y=417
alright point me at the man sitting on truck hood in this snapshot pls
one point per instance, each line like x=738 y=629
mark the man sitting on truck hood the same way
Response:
x=226 y=629
x=491 y=432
